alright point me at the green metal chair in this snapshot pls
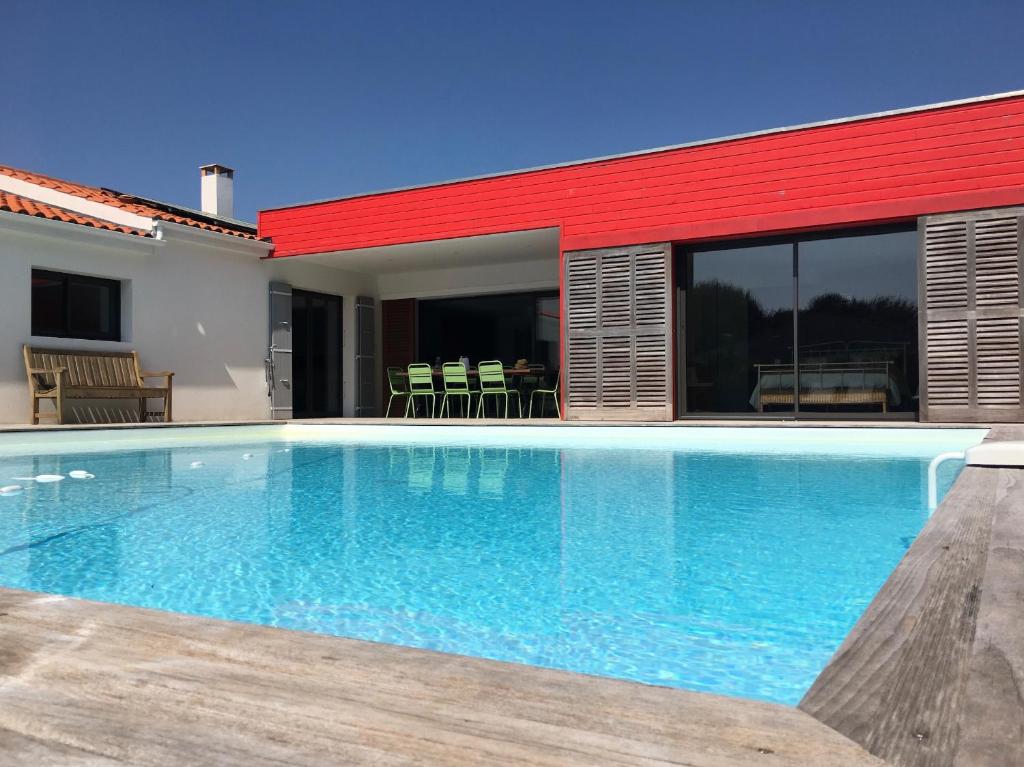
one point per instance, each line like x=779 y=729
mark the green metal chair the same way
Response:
x=532 y=380
x=399 y=387
x=421 y=384
x=492 y=384
x=456 y=384
x=544 y=393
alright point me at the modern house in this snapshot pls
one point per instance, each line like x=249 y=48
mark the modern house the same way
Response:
x=862 y=267
x=867 y=267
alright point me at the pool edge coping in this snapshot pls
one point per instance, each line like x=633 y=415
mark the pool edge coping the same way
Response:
x=492 y=422
x=876 y=688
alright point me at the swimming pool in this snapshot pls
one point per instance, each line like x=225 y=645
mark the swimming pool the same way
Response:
x=728 y=560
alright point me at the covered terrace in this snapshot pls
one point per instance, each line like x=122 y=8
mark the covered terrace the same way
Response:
x=485 y=297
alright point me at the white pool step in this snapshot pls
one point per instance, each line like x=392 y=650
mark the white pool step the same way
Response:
x=1004 y=455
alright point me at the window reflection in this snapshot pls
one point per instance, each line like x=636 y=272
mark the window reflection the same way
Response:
x=506 y=327
x=858 y=323
x=739 y=323
x=855 y=334
x=75 y=306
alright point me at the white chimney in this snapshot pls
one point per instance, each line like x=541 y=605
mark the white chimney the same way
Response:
x=217 y=190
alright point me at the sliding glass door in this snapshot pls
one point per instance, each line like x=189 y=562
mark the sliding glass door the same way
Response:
x=858 y=325
x=739 y=329
x=824 y=325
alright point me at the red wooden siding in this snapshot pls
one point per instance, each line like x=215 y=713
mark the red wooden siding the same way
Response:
x=876 y=169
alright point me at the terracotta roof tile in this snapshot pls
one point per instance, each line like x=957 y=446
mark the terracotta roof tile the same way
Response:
x=127 y=202
x=14 y=203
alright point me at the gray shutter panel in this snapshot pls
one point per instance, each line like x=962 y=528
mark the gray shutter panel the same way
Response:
x=581 y=324
x=366 y=354
x=971 y=321
x=616 y=328
x=653 y=314
x=279 y=360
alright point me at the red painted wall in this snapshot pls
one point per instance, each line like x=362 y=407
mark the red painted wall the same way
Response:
x=878 y=169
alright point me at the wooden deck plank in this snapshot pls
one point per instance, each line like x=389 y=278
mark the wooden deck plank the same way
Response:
x=89 y=683
x=896 y=684
x=1004 y=432
x=932 y=673
x=992 y=720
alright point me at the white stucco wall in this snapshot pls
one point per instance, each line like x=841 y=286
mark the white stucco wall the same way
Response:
x=195 y=303
x=508 y=277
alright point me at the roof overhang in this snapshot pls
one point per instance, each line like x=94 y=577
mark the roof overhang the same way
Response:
x=480 y=250
x=73 y=202
x=81 y=235
x=164 y=230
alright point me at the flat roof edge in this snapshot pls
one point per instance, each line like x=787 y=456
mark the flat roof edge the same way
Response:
x=656 y=150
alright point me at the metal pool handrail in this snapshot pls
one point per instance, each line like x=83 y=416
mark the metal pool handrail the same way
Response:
x=933 y=471
x=992 y=454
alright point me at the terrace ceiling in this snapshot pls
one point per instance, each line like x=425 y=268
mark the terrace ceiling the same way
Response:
x=510 y=247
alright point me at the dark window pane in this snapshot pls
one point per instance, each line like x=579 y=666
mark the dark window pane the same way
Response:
x=47 y=305
x=333 y=343
x=739 y=330
x=547 y=346
x=73 y=306
x=856 y=335
x=89 y=309
x=506 y=327
x=300 y=355
x=316 y=354
x=858 y=323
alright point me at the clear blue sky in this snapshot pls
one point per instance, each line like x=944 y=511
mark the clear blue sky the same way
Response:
x=309 y=100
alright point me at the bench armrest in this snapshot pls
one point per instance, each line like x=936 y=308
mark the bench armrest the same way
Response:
x=40 y=384
x=156 y=374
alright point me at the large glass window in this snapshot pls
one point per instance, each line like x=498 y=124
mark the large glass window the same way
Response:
x=75 y=306
x=858 y=324
x=851 y=349
x=739 y=329
x=506 y=327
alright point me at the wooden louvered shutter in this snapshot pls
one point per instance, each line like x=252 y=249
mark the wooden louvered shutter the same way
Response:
x=971 y=316
x=617 y=321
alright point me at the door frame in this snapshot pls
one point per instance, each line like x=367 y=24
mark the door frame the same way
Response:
x=682 y=264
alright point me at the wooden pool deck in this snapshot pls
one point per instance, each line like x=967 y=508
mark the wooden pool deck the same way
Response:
x=932 y=675
x=89 y=683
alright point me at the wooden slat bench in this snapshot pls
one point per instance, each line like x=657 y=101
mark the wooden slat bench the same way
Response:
x=825 y=383
x=66 y=374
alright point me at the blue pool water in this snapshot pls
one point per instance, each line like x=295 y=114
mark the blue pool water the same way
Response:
x=689 y=564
